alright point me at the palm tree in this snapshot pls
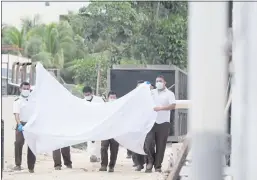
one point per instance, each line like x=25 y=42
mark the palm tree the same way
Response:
x=28 y=23
x=56 y=41
x=14 y=37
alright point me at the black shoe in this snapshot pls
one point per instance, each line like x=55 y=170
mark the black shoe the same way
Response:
x=134 y=165
x=111 y=169
x=148 y=170
x=69 y=166
x=103 y=168
x=58 y=168
x=139 y=168
x=17 y=168
x=158 y=170
x=31 y=170
x=128 y=156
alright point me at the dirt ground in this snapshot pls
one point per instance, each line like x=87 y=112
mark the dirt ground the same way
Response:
x=82 y=168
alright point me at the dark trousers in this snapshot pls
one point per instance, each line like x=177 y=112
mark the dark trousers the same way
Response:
x=158 y=134
x=134 y=158
x=142 y=159
x=114 y=148
x=138 y=159
x=18 y=146
x=129 y=153
x=149 y=148
x=65 y=152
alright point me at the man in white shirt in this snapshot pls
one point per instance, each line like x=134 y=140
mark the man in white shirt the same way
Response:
x=165 y=102
x=114 y=145
x=93 y=147
x=21 y=118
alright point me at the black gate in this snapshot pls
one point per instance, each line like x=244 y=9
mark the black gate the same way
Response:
x=124 y=79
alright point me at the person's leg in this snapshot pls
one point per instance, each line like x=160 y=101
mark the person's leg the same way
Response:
x=114 y=148
x=18 y=145
x=129 y=154
x=66 y=156
x=161 y=136
x=94 y=149
x=104 y=155
x=149 y=148
x=31 y=160
x=140 y=159
x=57 y=159
x=134 y=160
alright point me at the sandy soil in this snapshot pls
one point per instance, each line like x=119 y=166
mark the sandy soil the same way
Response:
x=82 y=168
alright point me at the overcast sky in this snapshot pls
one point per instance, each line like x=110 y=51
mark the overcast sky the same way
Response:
x=12 y=12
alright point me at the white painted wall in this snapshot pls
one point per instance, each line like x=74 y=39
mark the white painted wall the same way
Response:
x=11 y=59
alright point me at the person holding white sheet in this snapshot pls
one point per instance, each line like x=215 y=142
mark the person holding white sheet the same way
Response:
x=139 y=159
x=94 y=147
x=149 y=145
x=114 y=145
x=21 y=118
x=165 y=102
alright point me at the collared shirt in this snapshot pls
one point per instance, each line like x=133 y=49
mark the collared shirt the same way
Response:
x=163 y=98
x=19 y=106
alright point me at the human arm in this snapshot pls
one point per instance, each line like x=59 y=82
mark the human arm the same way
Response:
x=16 y=111
x=17 y=118
x=170 y=106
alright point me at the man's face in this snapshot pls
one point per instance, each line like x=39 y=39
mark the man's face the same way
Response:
x=25 y=90
x=88 y=96
x=112 y=97
x=160 y=83
x=24 y=87
x=158 y=79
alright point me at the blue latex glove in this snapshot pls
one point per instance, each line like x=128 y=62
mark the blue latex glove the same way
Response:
x=20 y=127
x=147 y=82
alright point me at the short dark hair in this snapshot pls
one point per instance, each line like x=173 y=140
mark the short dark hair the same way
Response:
x=24 y=84
x=87 y=89
x=140 y=81
x=112 y=93
x=161 y=76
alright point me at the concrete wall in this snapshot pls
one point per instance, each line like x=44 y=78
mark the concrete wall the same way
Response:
x=9 y=125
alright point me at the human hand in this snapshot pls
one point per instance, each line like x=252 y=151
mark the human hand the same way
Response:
x=157 y=109
x=20 y=127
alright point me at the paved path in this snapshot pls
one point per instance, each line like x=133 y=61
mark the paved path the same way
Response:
x=83 y=169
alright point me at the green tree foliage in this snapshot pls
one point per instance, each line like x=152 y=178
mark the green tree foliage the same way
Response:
x=103 y=34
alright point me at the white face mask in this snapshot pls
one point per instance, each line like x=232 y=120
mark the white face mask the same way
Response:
x=110 y=100
x=159 y=85
x=25 y=93
x=88 y=98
